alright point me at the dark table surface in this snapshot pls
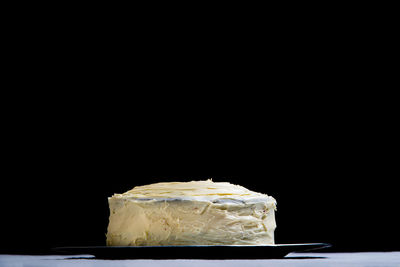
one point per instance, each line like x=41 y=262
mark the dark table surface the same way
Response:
x=365 y=259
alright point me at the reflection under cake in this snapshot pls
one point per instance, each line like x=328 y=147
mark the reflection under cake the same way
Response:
x=191 y=213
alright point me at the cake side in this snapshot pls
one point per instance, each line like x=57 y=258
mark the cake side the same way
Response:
x=156 y=215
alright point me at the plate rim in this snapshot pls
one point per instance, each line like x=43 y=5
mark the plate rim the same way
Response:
x=207 y=252
x=322 y=244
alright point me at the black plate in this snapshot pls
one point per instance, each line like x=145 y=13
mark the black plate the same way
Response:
x=193 y=252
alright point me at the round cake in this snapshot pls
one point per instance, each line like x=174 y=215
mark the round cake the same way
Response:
x=191 y=213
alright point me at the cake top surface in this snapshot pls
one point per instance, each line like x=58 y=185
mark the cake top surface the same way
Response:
x=198 y=190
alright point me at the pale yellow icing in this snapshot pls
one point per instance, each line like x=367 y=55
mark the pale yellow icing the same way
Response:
x=191 y=213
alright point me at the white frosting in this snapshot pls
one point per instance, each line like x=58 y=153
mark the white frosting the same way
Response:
x=191 y=213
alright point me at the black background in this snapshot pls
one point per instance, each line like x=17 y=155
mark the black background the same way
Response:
x=333 y=177
x=297 y=111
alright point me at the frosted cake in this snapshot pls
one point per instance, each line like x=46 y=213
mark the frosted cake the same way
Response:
x=191 y=213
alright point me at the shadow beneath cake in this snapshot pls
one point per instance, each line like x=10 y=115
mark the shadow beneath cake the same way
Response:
x=285 y=258
x=303 y=257
x=193 y=252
